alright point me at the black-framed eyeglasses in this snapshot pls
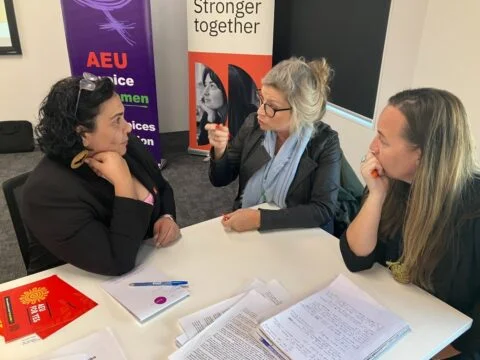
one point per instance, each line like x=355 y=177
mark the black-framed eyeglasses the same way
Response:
x=87 y=83
x=268 y=109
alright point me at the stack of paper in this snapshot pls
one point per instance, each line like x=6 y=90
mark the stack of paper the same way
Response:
x=144 y=301
x=227 y=330
x=41 y=307
x=339 y=322
x=195 y=323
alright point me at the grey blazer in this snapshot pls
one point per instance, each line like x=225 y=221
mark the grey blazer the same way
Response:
x=312 y=196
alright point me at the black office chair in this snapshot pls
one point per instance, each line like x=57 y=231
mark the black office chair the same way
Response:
x=12 y=189
x=349 y=198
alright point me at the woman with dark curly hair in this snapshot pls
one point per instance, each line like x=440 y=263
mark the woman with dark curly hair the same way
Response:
x=97 y=193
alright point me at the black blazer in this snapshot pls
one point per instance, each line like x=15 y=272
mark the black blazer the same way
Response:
x=312 y=196
x=73 y=216
x=456 y=279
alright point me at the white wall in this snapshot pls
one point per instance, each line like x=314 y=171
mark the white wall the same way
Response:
x=169 y=23
x=449 y=55
x=26 y=79
x=429 y=43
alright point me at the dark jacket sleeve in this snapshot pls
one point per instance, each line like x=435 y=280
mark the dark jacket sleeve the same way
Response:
x=225 y=170
x=165 y=191
x=68 y=227
x=323 y=199
x=354 y=262
x=168 y=201
x=469 y=342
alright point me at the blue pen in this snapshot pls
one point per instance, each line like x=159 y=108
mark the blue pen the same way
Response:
x=160 y=283
x=270 y=347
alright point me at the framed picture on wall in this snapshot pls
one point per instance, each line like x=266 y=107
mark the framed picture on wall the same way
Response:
x=9 y=40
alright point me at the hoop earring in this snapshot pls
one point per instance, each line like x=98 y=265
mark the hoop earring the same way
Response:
x=79 y=159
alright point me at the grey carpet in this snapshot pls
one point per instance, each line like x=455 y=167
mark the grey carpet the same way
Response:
x=196 y=199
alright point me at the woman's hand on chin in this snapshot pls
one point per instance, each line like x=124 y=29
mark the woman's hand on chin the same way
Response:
x=374 y=176
x=210 y=112
x=110 y=165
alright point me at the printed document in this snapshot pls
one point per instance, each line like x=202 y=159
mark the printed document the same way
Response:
x=194 y=323
x=232 y=336
x=340 y=322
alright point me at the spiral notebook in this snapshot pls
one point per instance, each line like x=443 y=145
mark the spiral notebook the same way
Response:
x=144 y=302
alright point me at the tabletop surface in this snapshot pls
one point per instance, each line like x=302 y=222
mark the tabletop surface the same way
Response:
x=218 y=265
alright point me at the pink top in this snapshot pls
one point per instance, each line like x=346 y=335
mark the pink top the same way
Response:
x=149 y=199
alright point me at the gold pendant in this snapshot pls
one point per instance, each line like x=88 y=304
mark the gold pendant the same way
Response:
x=78 y=160
x=399 y=272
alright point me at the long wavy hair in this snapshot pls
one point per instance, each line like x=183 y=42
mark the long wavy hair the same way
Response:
x=431 y=206
x=57 y=132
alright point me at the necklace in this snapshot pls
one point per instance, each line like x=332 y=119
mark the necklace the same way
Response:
x=399 y=271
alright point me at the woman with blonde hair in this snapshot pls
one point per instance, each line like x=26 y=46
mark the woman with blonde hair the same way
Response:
x=421 y=211
x=283 y=154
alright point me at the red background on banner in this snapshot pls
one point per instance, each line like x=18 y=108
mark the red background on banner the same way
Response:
x=255 y=65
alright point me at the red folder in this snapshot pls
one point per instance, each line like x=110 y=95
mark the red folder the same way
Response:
x=41 y=307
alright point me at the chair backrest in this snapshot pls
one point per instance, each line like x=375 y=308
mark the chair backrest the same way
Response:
x=12 y=189
x=349 y=198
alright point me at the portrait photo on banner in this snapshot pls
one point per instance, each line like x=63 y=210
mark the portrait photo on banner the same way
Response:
x=211 y=101
x=213 y=105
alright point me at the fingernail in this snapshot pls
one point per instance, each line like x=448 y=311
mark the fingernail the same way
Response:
x=375 y=173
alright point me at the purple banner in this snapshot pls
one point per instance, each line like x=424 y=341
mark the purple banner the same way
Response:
x=114 y=38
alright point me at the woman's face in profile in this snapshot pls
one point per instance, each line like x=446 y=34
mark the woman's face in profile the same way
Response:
x=268 y=117
x=398 y=157
x=212 y=95
x=111 y=131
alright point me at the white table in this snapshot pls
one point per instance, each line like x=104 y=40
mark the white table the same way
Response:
x=219 y=264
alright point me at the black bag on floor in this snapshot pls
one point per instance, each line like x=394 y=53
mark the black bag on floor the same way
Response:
x=16 y=136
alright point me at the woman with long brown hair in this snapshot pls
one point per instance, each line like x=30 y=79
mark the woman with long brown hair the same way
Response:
x=421 y=211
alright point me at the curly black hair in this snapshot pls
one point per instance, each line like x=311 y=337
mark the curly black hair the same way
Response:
x=57 y=130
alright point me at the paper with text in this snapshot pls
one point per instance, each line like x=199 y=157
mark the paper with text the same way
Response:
x=195 y=323
x=232 y=335
x=340 y=322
